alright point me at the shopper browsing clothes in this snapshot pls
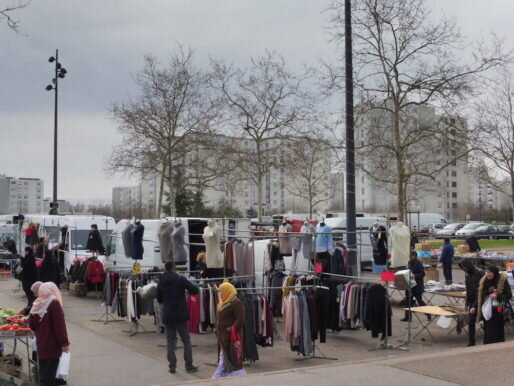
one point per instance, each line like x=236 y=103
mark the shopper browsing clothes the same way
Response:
x=417 y=273
x=94 y=241
x=171 y=292
x=473 y=276
x=229 y=322
x=494 y=286
x=47 y=321
x=29 y=274
x=447 y=260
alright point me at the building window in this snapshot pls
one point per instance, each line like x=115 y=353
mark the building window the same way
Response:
x=454 y=194
x=448 y=205
x=454 y=163
x=454 y=205
x=454 y=173
x=454 y=184
x=362 y=190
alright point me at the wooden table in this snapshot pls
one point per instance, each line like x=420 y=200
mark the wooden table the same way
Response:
x=435 y=312
x=454 y=297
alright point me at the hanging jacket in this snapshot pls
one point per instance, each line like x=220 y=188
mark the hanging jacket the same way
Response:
x=324 y=240
x=95 y=272
x=137 y=241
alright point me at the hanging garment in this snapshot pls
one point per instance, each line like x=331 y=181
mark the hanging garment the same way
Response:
x=179 y=251
x=95 y=272
x=165 y=232
x=212 y=237
x=378 y=237
x=126 y=237
x=400 y=237
x=240 y=257
x=307 y=241
x=324 y=240
x=284 y=239
x=137 y=241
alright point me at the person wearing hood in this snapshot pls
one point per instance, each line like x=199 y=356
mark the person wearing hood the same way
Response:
x=472 y=281
x=171 y=292
x=494 y=286
x=47 y=321
x=29 y=275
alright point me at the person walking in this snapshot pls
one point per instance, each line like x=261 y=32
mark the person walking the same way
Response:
x=171 y=292
x=29 y=274
x=47 y=321
x=94 y=241
x=472 y=281
x=447 y=260
x=417 y=273
x=50 y=270
x=494 y=286
x=229 y=316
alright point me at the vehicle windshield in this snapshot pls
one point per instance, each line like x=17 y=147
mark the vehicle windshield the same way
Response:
x=471 y=226
x=451 y=226
x=79 y=238
x=52 y=233
x=483 y=228
x=439 y=226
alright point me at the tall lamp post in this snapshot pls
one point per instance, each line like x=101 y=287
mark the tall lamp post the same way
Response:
x=60 y=72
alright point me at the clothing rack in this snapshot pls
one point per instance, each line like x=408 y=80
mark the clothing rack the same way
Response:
x=385 y=345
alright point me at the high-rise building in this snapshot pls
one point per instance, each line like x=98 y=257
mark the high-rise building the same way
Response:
x=21 y=195
x=126 y=201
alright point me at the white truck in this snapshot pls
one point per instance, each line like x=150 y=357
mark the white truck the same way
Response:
x=419 y=220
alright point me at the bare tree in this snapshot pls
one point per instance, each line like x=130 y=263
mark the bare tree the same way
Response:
x=408 y=60
x=171 y=118
x=309 y=172
x=263 y=103
x=7 y=10
x=495 y=119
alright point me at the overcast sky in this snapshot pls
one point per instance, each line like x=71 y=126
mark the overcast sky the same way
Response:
x=102 y=43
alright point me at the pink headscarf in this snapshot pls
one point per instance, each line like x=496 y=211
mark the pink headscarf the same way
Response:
x=46 y=294
x=35 y=287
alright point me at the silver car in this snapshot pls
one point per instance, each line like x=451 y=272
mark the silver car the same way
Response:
x=449 y=230
x=469 y=229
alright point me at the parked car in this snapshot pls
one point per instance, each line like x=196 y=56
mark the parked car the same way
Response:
x=449 y=230
x=503 y=232
x=486 y=231
x=468 y=229
x=432 y=228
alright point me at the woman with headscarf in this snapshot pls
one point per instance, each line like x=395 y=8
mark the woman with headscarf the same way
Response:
x=494 y=286
x=47 y=321
x=230 y=314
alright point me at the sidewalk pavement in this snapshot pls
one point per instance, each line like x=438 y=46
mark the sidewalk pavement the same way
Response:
x=102 y=362
x=470 y=366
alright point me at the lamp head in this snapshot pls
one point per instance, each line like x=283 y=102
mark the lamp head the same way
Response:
x=51 y=59
x=48 y=88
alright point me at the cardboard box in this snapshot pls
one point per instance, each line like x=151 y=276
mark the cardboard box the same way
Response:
x=431 y=273
x=422 y=247
x=464 y=248
x=78 y=289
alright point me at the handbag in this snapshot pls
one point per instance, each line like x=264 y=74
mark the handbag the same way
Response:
x=236 y=348
x=507 y=311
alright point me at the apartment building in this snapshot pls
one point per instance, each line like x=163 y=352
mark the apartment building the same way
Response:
x=21 y=195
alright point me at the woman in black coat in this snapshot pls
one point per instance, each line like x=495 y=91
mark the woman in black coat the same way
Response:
x=29 y=274
x=494 y=286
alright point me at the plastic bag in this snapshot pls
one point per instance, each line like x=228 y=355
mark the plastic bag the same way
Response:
x=236 y=348
x=487 y=309
x=64 y=366
x=444 y=322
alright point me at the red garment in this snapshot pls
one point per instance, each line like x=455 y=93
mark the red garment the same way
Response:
x=95 y=272
x=51 y=334
x=193 y=305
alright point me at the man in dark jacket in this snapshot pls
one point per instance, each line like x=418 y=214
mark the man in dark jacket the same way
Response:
x=473 y=276
x=447 y=259
x=171 y=292
x=417 y=273
x=473 y=244
x=94 y=241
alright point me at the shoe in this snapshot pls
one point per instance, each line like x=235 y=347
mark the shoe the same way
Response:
x=404 y=320
x=173 y=371
x=470 y=344
x=192 y=369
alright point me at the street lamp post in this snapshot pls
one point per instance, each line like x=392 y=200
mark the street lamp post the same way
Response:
x=60 y=72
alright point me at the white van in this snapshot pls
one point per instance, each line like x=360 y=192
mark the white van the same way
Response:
x=78 y=228
x=420 y=220
x=194 y=227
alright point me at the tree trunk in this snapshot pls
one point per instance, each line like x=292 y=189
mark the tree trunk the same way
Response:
x=161 y=190
x=259 y=180
x=401 y=185
x=171 y=189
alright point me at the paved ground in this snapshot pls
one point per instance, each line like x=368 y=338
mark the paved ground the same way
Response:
x=106 y=355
